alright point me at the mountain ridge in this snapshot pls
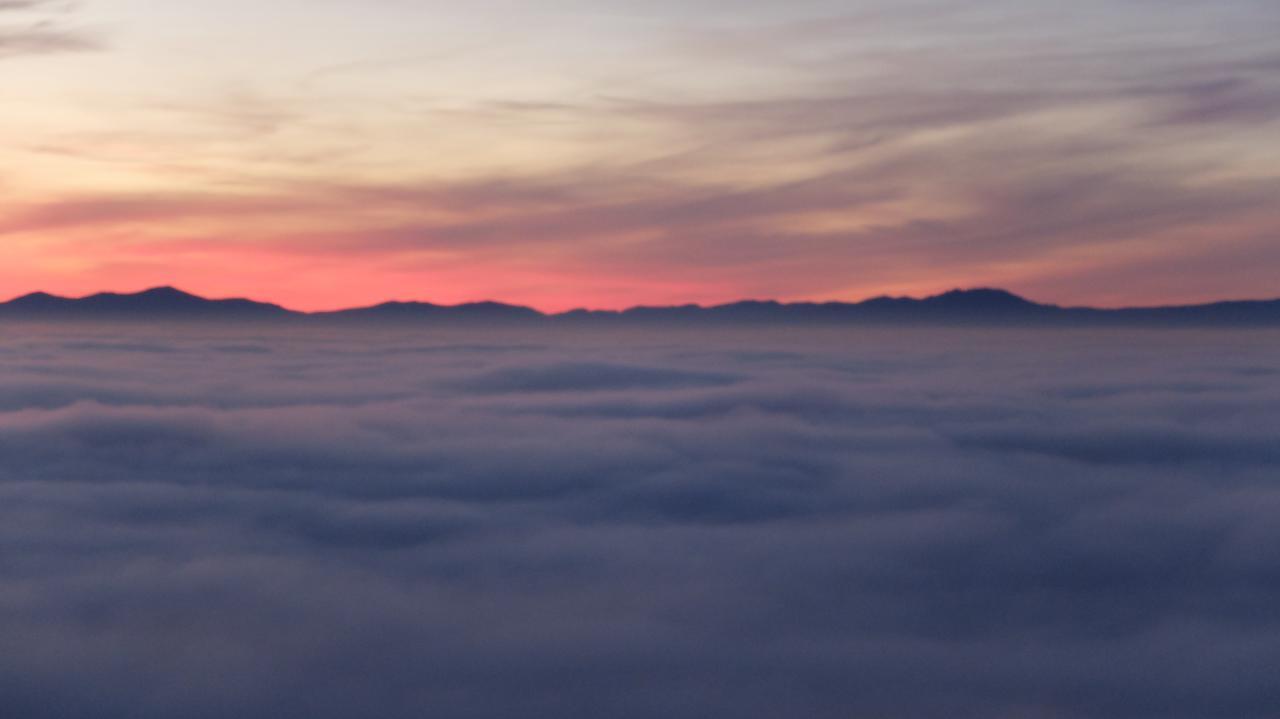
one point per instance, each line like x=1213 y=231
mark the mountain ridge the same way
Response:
x=972 y=306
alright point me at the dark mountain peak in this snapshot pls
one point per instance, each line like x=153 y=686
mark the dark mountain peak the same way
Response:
x=500 y=307
x=168 y=293
x=403 y=305
x=156 y=296
x=979 y=297
x=157 y=302
x=648 y=312
x=754 y=304
x=883 y=301
x=415 y=311
x=37 y=299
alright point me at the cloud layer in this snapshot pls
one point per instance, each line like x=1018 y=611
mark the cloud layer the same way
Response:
x=825 y=524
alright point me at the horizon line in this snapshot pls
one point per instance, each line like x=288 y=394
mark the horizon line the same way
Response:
x=582 y=309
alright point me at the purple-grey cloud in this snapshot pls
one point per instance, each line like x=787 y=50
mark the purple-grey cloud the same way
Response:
x=911 y=523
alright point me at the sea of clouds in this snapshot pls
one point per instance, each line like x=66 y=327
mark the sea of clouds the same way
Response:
x=820 y=523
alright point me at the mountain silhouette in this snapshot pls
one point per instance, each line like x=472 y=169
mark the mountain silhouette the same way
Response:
x=156 y=303
x=962 y=307
x=473 y=312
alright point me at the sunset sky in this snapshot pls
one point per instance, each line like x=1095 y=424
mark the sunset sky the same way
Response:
x=605 y=153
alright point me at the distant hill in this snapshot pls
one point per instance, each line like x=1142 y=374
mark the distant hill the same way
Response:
x=972 y=307
x=157 y=303
x=475 y=312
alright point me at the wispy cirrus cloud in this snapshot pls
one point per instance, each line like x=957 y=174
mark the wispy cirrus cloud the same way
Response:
x=34 y=28
x=12 y=5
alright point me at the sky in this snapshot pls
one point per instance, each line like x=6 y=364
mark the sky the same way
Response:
x=910 y=524
x=567 y=153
